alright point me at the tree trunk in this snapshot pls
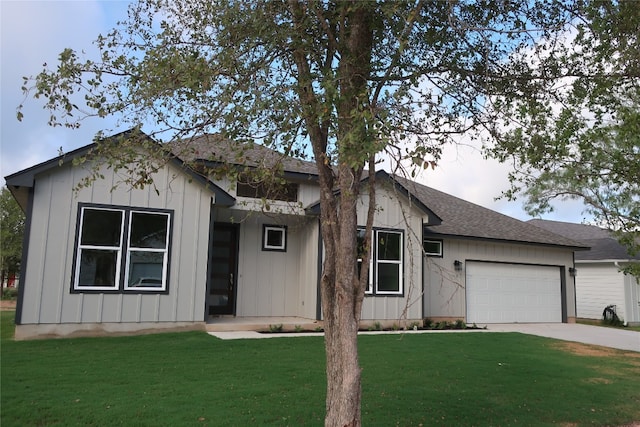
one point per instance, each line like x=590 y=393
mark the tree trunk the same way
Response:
x=340 y=301
x=341 y=291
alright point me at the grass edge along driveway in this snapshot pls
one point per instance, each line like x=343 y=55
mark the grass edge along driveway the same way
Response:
x=193 y=379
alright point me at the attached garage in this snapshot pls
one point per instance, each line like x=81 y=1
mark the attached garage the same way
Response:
x=513 y=293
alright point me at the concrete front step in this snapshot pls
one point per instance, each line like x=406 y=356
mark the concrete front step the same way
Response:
x=232 y=323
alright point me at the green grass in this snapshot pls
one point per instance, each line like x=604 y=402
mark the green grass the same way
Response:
x=193 y=379
x=594 y=322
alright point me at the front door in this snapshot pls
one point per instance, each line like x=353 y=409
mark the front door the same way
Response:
x=223 y=268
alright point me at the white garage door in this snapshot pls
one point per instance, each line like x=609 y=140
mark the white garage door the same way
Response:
x=510 y=293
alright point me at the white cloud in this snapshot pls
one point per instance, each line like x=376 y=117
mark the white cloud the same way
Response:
x=464 y=173
x=34 y=33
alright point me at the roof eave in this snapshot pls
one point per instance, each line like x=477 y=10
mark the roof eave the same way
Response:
x=26 y=177
x=429 y=233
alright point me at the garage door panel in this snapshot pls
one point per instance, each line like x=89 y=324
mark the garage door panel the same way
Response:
x=509 y=293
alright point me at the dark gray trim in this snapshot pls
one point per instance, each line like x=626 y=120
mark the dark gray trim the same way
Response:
x=212 y=216
x=284 y=236
x=124 y=249
x=373 y=253
x=563 y=293
x=222 y=198
x=422 y=276
x=575 y=294
x=26 y=177
x=429 y=235
x=409 y=195
x=319 y=278
x=426 y=239
x=25 y=256
x=314 y=208
x=513 y=263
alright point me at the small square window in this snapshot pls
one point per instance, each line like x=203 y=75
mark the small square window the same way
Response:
x=274 y=238
x=432 y=247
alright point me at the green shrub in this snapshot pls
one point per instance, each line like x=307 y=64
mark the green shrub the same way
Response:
x=9 y=293
x=459 y=324
x=276 y=328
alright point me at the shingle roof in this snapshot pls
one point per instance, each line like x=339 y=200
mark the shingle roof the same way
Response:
x=603 y=245
x=465 y=219
x=216 y=149
x=459 y=218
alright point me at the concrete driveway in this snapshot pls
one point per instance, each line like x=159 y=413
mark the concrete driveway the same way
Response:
x=597 y=335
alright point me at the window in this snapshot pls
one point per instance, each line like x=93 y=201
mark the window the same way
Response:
x=432 y=247
x=99 y=249
x=386 y=266
x=251 y=186
x=122 y=249
x=360 y=241
x=148 y=250
x=274 y=238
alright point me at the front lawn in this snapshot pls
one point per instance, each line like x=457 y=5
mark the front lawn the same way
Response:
x=182 y=379
x=594 y=322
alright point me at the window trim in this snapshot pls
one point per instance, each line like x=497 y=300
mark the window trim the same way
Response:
x=374 y=261
x=369 y=289
x=399 y=263
x=79 y=247
x=433 y=254
x=287 y=191
x=122 y=261
x=266 y=228
x=130 y=249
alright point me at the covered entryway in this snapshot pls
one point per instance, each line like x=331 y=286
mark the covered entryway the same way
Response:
x=513 y=293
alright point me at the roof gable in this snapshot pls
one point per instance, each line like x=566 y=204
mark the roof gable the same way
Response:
x=382 y=175
x=20 y=182
x=214 y=149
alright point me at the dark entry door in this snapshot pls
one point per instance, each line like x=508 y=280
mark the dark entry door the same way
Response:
x=223 y=263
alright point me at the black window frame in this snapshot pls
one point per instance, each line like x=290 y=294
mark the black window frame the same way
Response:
x=125 y=249
x=433 y=254
x=265 y=243
x=372 y=281
x=248 y=185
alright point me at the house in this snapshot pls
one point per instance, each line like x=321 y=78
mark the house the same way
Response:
x=193 y=251
x=600 y=281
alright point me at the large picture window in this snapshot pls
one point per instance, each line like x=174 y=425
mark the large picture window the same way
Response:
x=121 y=248
x=386 y=265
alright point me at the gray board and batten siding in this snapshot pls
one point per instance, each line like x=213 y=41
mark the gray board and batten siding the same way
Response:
x=47 y=301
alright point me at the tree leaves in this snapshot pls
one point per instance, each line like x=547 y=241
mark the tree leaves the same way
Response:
x=582 y=141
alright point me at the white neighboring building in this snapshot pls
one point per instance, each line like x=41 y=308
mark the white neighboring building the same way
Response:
x=599 y=281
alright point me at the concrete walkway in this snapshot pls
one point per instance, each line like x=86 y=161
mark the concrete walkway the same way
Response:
x=596 y=335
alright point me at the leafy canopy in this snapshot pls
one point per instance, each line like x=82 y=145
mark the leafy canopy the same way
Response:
x=11 y=233
x=582 y=141
x=179 y=68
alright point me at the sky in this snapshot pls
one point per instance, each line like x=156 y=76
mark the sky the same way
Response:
x=35 y=32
